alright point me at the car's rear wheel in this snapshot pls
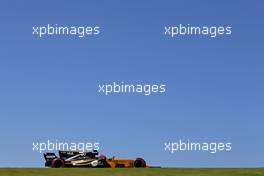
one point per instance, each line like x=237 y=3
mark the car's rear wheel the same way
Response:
x=140 y=162
x=57 y=163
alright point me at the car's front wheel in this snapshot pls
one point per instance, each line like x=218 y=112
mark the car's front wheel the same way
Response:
x=140 y=162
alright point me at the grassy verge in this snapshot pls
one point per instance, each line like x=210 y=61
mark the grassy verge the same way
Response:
x=132 y=172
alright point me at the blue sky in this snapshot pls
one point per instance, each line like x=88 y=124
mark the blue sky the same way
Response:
x=48 y=86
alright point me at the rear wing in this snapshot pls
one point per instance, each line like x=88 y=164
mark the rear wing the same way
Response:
x=49 y=157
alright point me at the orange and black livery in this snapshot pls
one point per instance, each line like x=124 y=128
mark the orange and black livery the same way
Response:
x=90 y=159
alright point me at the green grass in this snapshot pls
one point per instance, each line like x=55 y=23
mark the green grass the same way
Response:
x=131 y=172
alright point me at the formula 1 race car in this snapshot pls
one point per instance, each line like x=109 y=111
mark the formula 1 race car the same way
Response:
x=89 y=159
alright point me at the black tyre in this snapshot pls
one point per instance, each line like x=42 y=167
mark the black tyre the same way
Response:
x=140 y=162
x=57 y=163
